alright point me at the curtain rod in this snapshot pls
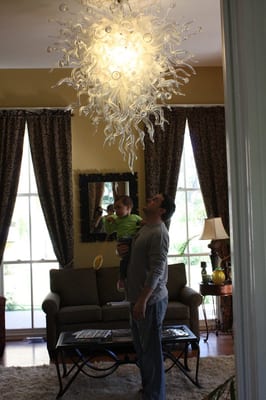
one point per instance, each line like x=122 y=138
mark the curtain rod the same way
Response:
x=67 y=107
x=195 y=105
x=34 y=108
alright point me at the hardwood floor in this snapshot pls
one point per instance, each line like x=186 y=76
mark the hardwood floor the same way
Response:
x=27 y=353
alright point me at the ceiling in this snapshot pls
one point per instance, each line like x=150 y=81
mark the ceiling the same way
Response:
x=26 y=32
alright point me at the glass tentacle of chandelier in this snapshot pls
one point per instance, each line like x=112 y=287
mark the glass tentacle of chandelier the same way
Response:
x=127 y=63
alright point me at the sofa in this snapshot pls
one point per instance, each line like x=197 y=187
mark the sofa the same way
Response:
x=82 y=298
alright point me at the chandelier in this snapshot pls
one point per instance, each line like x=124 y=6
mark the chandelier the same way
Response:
x=127 y=62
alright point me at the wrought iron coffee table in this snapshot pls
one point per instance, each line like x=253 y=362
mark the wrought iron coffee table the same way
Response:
x=77 y=352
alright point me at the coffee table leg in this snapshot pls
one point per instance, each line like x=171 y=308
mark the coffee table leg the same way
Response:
x=185 y=356
x=197 y=364
x=183 y=366
x=195 y=380
x=57 y=356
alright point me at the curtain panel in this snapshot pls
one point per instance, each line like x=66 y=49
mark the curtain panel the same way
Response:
x=163 y=156
x=12 y=128
x=51 y=149
x=207 y=133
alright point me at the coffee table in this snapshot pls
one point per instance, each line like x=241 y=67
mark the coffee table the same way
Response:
x=76 y=352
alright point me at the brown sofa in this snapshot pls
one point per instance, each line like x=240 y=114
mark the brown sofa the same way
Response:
x=83 y=298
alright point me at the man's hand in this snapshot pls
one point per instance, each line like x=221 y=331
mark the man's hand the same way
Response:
x=139 y=309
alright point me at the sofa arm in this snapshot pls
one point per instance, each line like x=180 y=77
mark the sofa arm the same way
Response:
x=50 y=306
x=51 y=303
x=190 y=297
x=193 y=300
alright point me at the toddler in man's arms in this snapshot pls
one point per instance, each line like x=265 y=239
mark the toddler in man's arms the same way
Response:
x=125 y=225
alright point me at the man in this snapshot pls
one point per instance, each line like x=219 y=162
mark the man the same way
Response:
x=146 y=291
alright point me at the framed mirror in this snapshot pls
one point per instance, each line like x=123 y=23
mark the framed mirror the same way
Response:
x=97 y=195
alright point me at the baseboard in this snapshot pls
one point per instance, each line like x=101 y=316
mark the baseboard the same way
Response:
x=25 y=334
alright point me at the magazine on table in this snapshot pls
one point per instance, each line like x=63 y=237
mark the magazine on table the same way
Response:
x=174 y=332
x=92 y=334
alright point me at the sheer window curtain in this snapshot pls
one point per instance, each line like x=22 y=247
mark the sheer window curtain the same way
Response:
x=12 y=128
x=51 y=149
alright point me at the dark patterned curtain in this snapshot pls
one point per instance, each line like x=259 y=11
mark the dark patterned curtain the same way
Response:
x=163 y=157
x=208 y=137
x=51 y=149
x=12 y=127
x=207 y=132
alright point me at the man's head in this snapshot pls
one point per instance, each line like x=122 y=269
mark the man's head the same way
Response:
x=168 y=205
x=161 y=206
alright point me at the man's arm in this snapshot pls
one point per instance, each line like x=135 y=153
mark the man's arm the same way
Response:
x=139 y=309
x=140 y=306
x=157 y=257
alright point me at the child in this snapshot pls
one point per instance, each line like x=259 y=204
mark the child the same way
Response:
x=125 y=225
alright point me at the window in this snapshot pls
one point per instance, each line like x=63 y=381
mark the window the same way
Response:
x=28 y=255
x=187 y=222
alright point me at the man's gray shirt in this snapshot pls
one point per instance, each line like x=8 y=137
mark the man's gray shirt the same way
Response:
x=148 y=263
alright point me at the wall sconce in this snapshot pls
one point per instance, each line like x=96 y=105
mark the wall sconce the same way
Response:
x=214 y=230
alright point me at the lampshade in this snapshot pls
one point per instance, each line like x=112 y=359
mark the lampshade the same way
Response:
x=213 y=229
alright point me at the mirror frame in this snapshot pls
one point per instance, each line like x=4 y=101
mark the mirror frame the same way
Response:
x=84 y=180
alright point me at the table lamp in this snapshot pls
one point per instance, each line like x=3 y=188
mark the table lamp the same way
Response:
x=214 y=230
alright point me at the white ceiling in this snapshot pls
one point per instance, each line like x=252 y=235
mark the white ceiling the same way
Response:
x=25 y=31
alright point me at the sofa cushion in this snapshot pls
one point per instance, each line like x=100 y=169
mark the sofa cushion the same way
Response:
x=79 y=314
x=177 y=311
x=115 y=312
x=75 y=286
x=176 y=280
x=106 y=280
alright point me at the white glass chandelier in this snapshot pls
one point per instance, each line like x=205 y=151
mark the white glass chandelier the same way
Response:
x=126 y=61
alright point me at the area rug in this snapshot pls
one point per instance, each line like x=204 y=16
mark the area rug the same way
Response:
x=40 y=382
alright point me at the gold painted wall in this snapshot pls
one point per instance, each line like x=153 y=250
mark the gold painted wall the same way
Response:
x=33 y=88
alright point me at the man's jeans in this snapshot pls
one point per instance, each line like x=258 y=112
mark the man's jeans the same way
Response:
x=147 y=335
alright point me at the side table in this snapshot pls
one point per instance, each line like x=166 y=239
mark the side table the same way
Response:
x=210 y=289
